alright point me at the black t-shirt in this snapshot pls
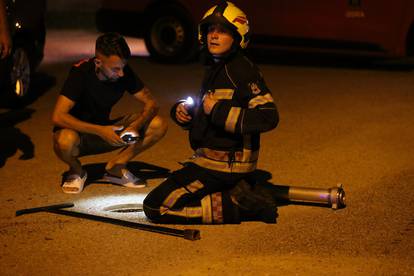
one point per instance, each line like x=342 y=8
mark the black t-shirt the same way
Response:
x=94 y=98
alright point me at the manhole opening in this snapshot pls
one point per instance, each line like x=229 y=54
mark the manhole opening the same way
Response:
x=124 y=208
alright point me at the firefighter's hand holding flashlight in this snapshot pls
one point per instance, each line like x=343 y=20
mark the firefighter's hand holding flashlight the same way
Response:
x=184 y=111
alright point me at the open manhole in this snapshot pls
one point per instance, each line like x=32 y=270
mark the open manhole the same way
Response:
x=125 y=208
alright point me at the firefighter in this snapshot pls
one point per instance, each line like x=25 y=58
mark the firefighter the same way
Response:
x=225 y=120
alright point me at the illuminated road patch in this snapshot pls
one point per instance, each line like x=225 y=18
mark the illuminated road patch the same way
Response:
x=104 y=205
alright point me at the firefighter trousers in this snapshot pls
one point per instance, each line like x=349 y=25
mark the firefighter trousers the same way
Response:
x=194 y=195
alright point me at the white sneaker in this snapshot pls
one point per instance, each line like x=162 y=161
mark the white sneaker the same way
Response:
x=74 y=183
x=127 y=180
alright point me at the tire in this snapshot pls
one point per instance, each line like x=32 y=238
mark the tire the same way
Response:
x=170 y=36
x=18 y=84
x=22 y=63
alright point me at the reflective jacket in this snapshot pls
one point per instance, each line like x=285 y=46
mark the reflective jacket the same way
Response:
x=228 y=139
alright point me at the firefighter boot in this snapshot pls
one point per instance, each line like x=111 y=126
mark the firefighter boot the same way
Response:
x=254 y=204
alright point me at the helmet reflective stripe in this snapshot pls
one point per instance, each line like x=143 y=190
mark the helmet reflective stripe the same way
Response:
x=231 y=17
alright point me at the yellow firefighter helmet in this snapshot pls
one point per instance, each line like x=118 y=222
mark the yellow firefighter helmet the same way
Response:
x=229 y=16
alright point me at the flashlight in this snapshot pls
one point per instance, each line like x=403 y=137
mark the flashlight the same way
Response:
x=189 y=101
x=189 y=105
x=129 y=137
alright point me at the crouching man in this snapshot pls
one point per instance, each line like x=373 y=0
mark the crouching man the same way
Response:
x=82 y=115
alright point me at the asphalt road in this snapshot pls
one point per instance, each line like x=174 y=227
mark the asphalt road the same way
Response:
x=340 y=123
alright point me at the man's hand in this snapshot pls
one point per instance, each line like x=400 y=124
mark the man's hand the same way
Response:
x=208 y=103
x=181 y=113
x=5 y=39
x=108 y=133
x=5 y=44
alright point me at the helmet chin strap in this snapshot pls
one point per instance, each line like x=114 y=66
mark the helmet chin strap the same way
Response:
x=233 y=49
x=218 y=58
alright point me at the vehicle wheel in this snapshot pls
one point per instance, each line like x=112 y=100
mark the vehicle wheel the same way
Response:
x=170 y=36
x=19 y=80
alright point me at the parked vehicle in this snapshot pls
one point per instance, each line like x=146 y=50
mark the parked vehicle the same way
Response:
x=26 y=20
x=355 y=27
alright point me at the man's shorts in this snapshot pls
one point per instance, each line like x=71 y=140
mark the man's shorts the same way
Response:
x=91 y=144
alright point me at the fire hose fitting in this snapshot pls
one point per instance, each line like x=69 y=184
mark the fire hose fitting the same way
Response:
x=335 y=197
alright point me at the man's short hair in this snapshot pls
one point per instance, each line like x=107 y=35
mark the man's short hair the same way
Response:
x=110 y=44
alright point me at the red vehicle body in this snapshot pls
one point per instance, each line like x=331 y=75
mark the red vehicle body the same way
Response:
x=357 y=27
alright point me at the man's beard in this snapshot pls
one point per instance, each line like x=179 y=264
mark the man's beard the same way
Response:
x=106 y=77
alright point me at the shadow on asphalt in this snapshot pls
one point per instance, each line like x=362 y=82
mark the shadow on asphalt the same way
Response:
x=11 y=138
x=142 y=170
